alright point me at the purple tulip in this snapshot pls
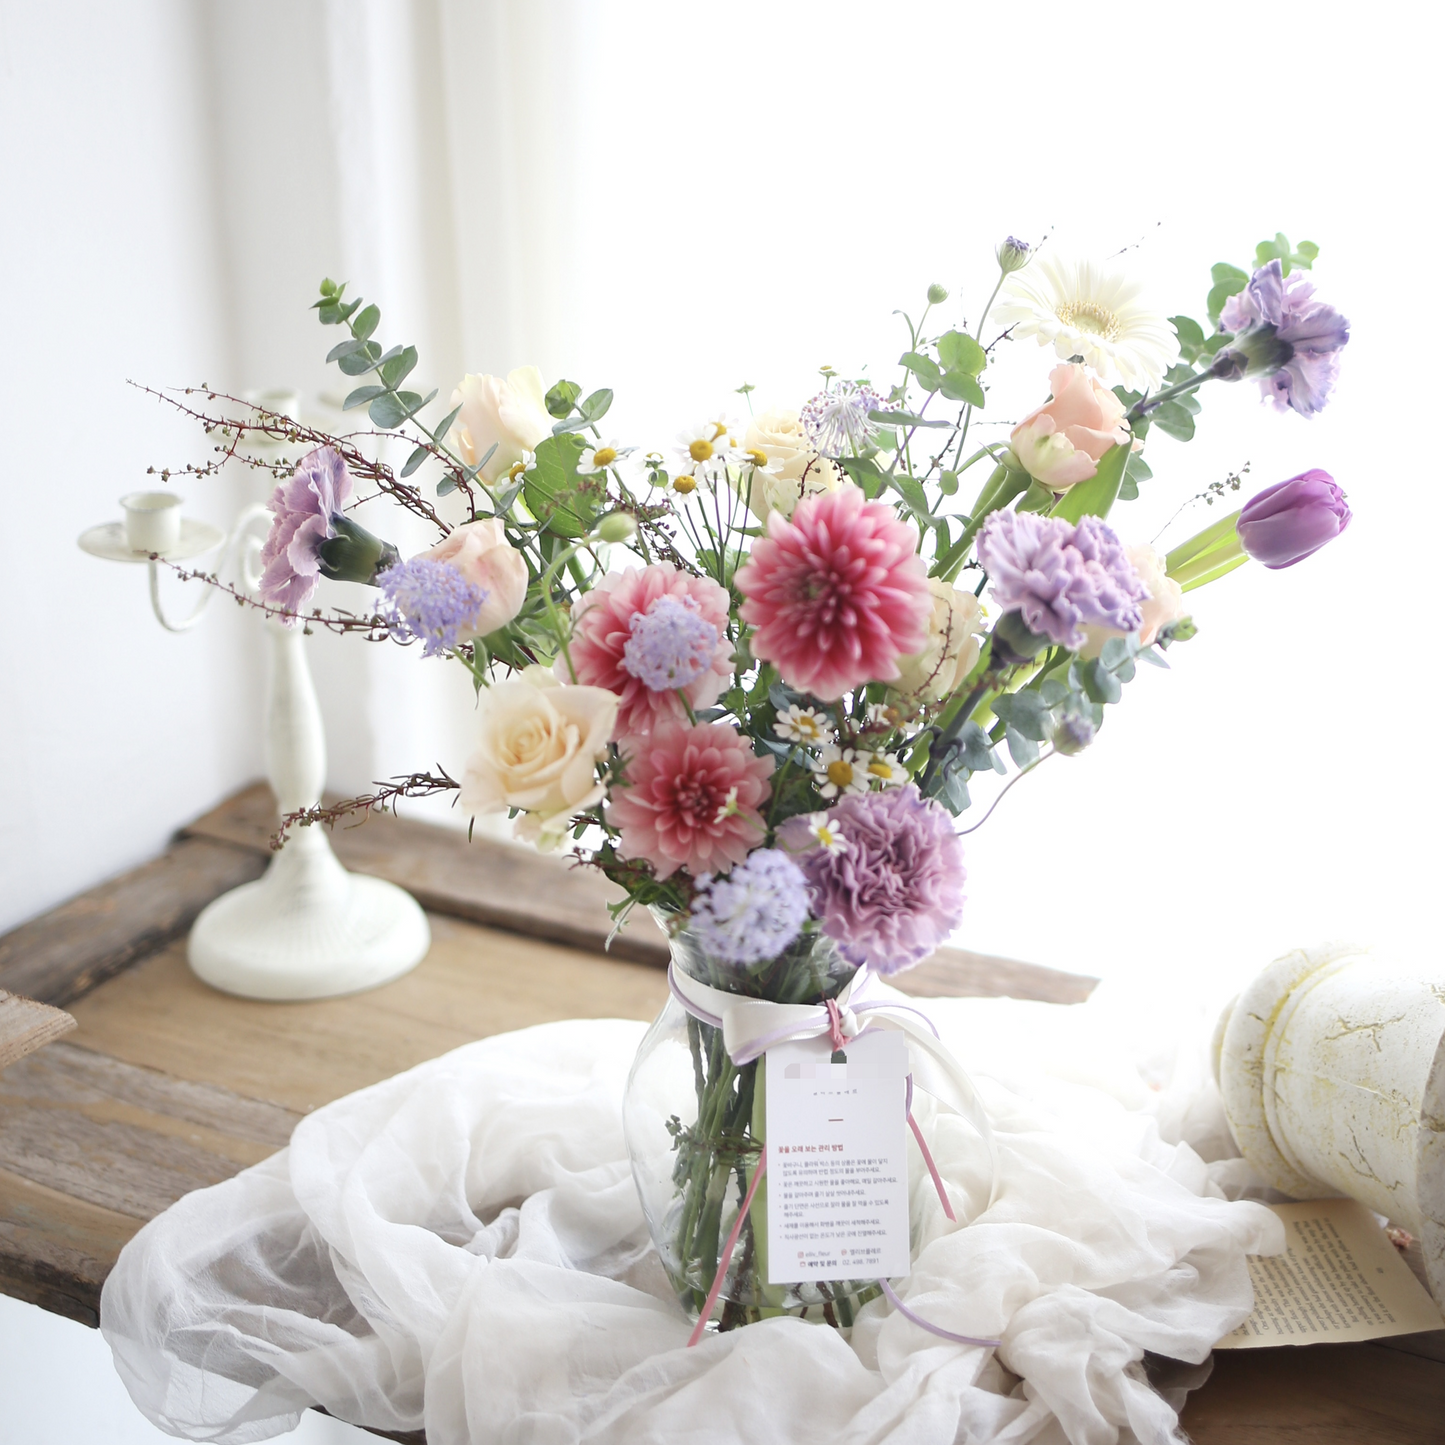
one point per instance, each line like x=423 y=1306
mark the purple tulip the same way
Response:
x=1285 y=523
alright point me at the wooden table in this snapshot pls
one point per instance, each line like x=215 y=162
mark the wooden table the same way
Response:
x=166 y=1086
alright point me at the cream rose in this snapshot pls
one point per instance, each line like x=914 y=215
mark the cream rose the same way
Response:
x=538 y=749
x=481 y=553
x=1165 y=605
x=952 y=647
x=1060 y=444
x=784 y=469
x=510 y=413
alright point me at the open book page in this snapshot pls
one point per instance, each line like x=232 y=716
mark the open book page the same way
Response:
x=1340 y=1279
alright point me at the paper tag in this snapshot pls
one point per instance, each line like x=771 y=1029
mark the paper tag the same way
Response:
x=838 y=1159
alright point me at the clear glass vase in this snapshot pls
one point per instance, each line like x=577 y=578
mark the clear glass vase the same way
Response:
x=696 y=1125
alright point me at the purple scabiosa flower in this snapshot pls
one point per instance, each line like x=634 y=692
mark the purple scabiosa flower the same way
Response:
x=895 y=891
x=837 y=421
x=1287 y=338
x=430 y=600
x=303 y=506
x=670 y=645
x=1060 y=577
x=753 y=913
x=1289 y=521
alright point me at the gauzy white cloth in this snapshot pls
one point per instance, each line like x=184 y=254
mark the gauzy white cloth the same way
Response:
x=461 y=1248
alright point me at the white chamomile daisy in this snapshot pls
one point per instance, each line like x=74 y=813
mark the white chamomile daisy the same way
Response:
x=602 y=456
x=1083 y=309
x=728 y=806
x=886 y=769
x=826 y=833
x=521 y=466
x=841 y=770
x=705 y=450
x=803 y=725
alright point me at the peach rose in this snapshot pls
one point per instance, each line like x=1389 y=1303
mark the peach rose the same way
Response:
x=511 y=413
x=1165 y=605
x=481 y=553
x=1060 y=444
x=538 y=750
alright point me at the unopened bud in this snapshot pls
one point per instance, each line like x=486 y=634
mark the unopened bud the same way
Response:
x=617 y=527
x=1072 y=733
x=1014 y=642
x=352 y=554
x=1013 y=255
x=937 y=294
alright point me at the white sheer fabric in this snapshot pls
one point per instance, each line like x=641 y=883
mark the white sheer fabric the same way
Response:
x=461 y=1248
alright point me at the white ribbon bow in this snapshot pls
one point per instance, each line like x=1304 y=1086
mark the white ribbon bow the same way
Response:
x=751 y=1026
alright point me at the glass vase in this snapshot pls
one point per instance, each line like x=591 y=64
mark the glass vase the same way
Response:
x=696 y=1125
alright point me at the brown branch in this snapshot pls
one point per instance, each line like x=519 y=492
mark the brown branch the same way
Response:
x=384 y=800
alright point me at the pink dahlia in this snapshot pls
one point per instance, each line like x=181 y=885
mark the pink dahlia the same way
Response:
x=691 y=798
x=837 y=594
x=604 y=621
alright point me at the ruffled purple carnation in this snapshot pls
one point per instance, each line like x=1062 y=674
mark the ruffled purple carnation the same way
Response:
x=430 y=600
x=894 y=892
x=755 y=912
x=302 y=506
x=1277 y=321
x=1059 y=576
x=670 y=645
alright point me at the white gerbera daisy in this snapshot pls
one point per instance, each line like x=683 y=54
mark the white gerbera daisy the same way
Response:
x=602 y=456
x=1082 y=309
x=803 y=725
x=705 y=450
x=841 y=770
x=885 y=768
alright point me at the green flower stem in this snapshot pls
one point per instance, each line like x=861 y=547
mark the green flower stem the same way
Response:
x=1218 y=535
x=1003 y=485
x=1146 y=404
x=1214 y=572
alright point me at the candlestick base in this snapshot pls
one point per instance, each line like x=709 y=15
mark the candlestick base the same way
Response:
x=308 y=929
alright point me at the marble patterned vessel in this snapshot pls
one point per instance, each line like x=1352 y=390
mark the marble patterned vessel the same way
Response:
x=1332 y=1068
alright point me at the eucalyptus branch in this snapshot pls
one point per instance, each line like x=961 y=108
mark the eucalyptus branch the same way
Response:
x=383 y=800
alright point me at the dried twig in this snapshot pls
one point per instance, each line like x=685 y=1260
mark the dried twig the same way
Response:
x=384 y=800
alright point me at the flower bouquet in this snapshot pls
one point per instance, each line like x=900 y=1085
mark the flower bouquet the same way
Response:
x=750 y=677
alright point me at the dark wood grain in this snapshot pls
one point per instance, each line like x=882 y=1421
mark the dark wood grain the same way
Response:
x=63 y=954
x=26 y=1026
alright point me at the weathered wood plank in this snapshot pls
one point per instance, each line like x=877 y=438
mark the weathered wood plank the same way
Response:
x=64 y=953
x=26 y=1026
x=956 y=973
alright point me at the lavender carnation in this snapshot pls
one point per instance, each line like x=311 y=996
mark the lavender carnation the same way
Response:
x=430 y=600
x=302 y=507
x=1282 y=330
x=1060 y=576
x=670 y=645
x=894 y=892
x=755 y=912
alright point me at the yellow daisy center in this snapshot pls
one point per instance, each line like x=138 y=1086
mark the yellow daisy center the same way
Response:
x=516 y=470
x=684 y=485
x=757 y=458
x=808 y=728
x=1091 y=317
x=826 y=836
x=717 y=430
x=880 y=770
x=840 y=774
x=604 y=456
x=699 y=450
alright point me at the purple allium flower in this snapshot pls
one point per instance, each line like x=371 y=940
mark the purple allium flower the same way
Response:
x=670 y=645
x=303 y=506
x=1286 y=337
x=755 y=912
x=1289 y=521
x=431 y=600
x=895 y=891
x=837 y=421
x=1061 y=576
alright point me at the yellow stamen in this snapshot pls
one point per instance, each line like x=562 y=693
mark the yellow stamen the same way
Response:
x=880 y=770
x=840 y=774
x=699 y=450
x=717 y=430
x=757 y=458
x=604 y=456
x=684 y=484
x=516 y=470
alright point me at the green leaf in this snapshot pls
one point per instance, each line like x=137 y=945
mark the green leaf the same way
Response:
x=1306 y=252
x=414 y=461
x=567 y=505
x=395 y=371
x=562 y=398
x=361 y=396
x=960 y=386
x=1026 y=711
x=1021 y=749
x=924 y=368
x=1191 y=336
x=1115 y=651
x=975 y=749
x=1098 y=494
x=360 y=361
x=948 y=483
x=902 y=418
x=1222 y=271
x=446 y=485
x=1138 y=470
x=366 y=323
x=865 y=472
x=1100 y=684
x=1038 y=498
x=387 y=411
x=913 y=494
x=1174 y=420
x=596 y=405
x=343 y=348
x=960 y=352
x=1228 y=281
x=446 y=425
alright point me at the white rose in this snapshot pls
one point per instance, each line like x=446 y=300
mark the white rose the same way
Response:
x=952 y=648
x=539 y=746
x=784 y=467
x=510 y=413
x=1165 y=605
